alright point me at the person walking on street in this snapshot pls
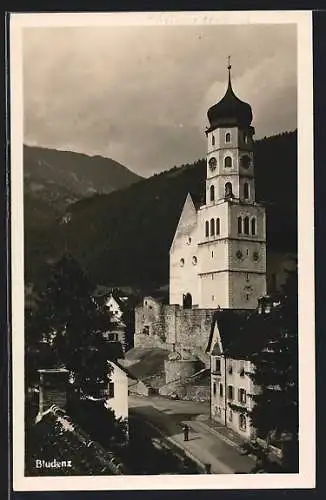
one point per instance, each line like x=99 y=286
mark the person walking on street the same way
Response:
x=186 y=432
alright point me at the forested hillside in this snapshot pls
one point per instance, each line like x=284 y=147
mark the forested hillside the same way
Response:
x=123 y=238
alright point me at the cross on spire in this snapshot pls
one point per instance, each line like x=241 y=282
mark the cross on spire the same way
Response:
x=229 y=69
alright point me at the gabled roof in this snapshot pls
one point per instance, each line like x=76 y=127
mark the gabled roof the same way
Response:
x=124 y=369
x=242 y=333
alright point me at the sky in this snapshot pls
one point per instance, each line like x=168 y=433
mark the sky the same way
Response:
x=140 y=94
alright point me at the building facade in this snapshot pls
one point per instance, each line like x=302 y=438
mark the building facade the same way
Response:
x=218 y=254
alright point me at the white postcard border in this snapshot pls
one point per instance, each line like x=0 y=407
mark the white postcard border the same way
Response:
x=306 y=477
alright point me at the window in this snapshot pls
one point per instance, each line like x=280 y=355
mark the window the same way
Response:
x=228 y=190
x=182 y=262
x=230 y=370
x=212 y=276
x=228 y=162
x=242 y=396
x=221 y=390
x=253 y=226
x=247 y=276
x=218 y=226
x=246 y=225
x=230 y=392
x=213 y=140
x=214 y=388
x=242 y=422
x=246 y=190
x=239 y=225
x=206 y=228
x=194 y=260
x=227 y=137
x=230 y=415
x=212 y=254
x=146 y=330
x=217 y=366
x=247 y=296
x=212 y=227
x=212 y=193
x=111 y=390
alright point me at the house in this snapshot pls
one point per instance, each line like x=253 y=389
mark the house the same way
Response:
x=232 y=344
x=117 y=390
x=120 y=309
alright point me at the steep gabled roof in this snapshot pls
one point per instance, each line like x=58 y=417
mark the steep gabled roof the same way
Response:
x=242 y=333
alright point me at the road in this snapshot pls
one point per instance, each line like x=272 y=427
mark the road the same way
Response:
x=206 y=446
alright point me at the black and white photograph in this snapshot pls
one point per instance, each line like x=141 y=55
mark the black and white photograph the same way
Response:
x=162 y=250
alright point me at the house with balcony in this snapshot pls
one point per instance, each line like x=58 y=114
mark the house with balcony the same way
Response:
x=232 y=345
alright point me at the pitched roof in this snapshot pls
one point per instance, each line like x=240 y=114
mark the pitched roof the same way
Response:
x=70 y=442
x=243 y=333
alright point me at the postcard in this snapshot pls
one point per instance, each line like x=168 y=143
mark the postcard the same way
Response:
x=162 y=229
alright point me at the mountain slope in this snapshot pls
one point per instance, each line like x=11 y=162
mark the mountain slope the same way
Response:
x=62 y=177
x=124 y=237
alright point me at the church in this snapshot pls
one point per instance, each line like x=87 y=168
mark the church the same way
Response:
x=218 y=253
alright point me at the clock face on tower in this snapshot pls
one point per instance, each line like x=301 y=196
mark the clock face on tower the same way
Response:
x=212 y=163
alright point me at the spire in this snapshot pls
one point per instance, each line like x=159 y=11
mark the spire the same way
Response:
x=229 y=70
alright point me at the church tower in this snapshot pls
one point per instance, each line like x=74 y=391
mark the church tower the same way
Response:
x=231 y=225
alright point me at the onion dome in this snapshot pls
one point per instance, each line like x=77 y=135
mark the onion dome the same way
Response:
x=229 y=111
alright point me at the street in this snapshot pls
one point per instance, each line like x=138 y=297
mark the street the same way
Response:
x=204 y=445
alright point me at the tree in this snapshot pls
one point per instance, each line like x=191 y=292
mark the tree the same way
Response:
x=71 y=324
x=275 y=412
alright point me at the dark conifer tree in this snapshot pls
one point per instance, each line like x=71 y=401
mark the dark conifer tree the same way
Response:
x=72 y=324
x=275 y=413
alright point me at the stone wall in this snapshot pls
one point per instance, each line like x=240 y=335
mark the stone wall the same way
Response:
x=172 y=327
x=179 y=369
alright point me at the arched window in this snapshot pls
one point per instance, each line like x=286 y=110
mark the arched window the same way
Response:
x=217 y=226
x=253 y=226
x=206 y=228
x=239 y=225
x=246 y=190
x=227 y=137
x=246 y=225
x=213 y=140
x=228 y=162
x=212 y=227
x=228 y=190
x=187 y=301
x=212 y=193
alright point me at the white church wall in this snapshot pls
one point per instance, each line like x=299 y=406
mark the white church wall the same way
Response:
x=214 y=290
x=184 y=257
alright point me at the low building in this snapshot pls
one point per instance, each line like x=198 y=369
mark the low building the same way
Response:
x=117 y=390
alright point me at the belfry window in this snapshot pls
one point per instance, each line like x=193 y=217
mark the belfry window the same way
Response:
x=239 y=225
x=246 y=225
x=212 y=193
x=213 y=140
x=217 y=226
x=253 y=226
x=206 y=228
x=246 y=190
x=212 y=227
x=227 y=137
x=228 y=162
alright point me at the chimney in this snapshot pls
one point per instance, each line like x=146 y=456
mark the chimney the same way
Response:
x=53 y=388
